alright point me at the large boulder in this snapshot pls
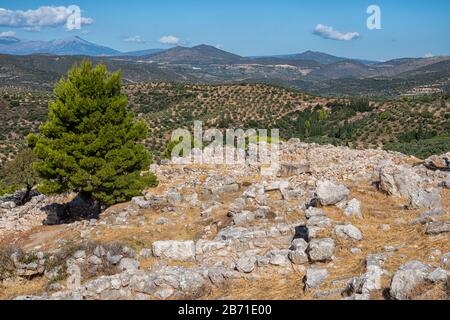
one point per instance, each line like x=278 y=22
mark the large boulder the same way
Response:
x=291 y=169
x=329 y=193
x=321 y=249
x=243 y=218
x=438 y=227
x=315 y=277
x=441 y=162
x=407 y=279
x=174 y=250
x=438 y=275
x=429 y=199
x=246 y=264
x=398 y=181
x=297 y=253
x=254 y=190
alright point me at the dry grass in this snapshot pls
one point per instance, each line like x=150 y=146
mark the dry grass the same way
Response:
x=33 y=287
x=271 y=286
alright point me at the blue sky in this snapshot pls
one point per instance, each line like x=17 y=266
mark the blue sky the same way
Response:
x=412 y=28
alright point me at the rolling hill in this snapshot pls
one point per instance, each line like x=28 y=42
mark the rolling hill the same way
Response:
x=201 y=55
x=417 y=126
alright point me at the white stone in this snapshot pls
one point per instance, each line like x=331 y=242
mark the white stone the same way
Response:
x=174 y=250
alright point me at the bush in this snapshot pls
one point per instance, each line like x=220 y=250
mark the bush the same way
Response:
x=19 y=173
x=422 y=148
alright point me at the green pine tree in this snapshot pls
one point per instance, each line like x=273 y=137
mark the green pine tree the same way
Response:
x=89 y=145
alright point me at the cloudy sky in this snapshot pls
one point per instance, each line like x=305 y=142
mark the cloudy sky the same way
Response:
x=413 y=28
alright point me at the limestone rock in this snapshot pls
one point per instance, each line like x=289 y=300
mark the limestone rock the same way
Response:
x=441 y=162
x=407 y=278
x=141 y=202
x=290 y=169
x=399 y=181
x=128 y=264
x=438 y=227
x=353 y=209
x=246 y=264
x=329 y=193
x=321 y=249
x=429 y=199
x=348 y=232
x=315 y=277
x=438 y=275
x=174 y=250
x=314 y=212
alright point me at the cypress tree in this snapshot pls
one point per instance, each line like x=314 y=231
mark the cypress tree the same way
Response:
x=90 y=143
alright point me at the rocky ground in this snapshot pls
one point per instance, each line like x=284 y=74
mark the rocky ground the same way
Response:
x=332 y=223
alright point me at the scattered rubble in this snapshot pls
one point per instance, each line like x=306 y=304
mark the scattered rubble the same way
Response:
x=206 y=226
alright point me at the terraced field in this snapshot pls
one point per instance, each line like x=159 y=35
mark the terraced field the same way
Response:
x=417 y=126
x=21 y=112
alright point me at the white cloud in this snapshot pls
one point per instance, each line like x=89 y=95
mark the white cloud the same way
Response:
x=135 y=39
x=33 y=29
x=7 y=34
x=328 y=32
x=169 y=40
x=428 y=55
x=35 y=20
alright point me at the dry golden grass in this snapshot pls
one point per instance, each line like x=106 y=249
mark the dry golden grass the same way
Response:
x=33 y=287
x=271 y=286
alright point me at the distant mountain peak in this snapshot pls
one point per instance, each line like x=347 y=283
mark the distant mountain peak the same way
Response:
x=204 y=46
x=73 y=45
x=200 y=54
x=9 y=40
x=72 y=39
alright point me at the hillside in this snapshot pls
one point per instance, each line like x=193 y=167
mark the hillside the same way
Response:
x=360 y=124
x=312 y=72
x=201 y=55
x=332 y=224
x=417 y=126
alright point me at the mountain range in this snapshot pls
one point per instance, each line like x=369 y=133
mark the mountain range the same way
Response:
x=196 y=55
x=68 y=46
x=40 y=63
